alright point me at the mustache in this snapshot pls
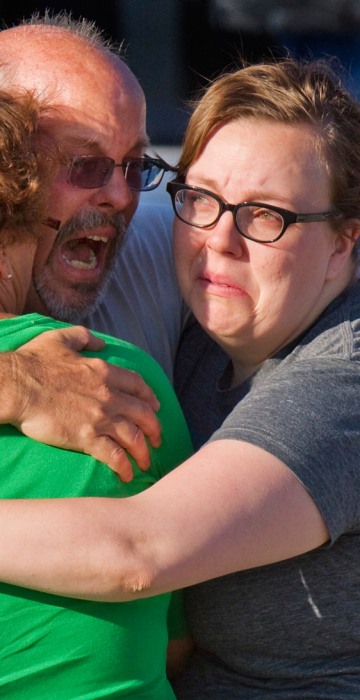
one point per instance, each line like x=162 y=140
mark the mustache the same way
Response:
x=90 y=219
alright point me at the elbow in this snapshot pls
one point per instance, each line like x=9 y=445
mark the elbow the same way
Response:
x=126 y=576
x=121 y=561
x=115 y=584
x=138 y=584
x=132 y=583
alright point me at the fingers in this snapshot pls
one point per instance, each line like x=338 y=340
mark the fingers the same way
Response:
x=77 y=338
x=130 y=383
x=84 y=403
x=122 y=398
x=107 y=451
x=123 y=430
x=131 y=438
x=136 y=419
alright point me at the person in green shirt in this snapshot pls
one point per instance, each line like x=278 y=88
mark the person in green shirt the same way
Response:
x=55 y=646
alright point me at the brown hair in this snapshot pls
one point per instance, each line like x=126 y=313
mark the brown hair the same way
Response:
x=23 y=172
x=290 y=92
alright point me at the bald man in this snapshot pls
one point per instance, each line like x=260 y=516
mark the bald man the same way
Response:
x=97 y=118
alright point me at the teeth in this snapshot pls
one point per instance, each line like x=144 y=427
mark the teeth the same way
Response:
x=80 y=264
x=103 y=239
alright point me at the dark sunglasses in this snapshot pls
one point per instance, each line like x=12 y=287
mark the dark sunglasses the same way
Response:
x=141 y=174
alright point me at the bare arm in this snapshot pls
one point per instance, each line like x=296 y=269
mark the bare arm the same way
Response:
x=57 y=396
x=232 y=506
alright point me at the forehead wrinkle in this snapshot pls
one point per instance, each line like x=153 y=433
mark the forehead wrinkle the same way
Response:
x=68 y=130
x=92 y=143
x=252 y=176
x=253 y=195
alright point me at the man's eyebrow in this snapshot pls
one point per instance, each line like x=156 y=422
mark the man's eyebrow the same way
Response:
x=70 y=140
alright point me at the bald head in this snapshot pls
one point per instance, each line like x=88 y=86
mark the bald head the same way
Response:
x=46 y=58
x=95 y=107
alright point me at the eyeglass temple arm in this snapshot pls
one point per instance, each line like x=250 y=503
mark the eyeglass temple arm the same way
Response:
x=332 y=215
x=328 y=216
x=160 y=162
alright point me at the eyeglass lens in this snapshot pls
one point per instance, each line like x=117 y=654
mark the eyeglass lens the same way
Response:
x=90 y=172
x=200 y=209
x=142 y=175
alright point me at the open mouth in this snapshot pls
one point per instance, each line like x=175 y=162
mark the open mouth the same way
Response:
x=85 y=253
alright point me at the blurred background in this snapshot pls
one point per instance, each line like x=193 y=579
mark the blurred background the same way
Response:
x=175 y=47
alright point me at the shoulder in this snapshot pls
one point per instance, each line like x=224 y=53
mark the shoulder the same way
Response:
x=151 y=222
x=149 y=240
x=336 y=335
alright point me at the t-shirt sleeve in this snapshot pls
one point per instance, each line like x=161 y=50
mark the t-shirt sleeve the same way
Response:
x=308 y=415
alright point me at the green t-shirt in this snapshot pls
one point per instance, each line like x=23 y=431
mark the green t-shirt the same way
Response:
x=56 y=647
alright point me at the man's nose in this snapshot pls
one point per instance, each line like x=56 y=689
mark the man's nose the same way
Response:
x=116 y=194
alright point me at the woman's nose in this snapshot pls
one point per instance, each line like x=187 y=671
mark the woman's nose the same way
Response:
x=224 y=236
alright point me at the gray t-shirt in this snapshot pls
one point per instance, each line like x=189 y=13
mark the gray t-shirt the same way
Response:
x=142 y=302
x=291 y=630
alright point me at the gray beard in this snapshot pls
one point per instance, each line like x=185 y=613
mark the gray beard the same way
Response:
x=86 y=295
x=73 y=312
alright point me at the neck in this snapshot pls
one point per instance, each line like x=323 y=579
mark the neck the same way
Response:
x=33 y=303
x=4 y=315
x=13 y=290
x=10 y=304
x=241 y=373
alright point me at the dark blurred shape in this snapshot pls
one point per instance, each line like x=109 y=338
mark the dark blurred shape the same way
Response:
x=104 y=14
x=305 y=28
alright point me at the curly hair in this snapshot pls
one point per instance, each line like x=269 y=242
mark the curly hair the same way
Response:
x=24 y=169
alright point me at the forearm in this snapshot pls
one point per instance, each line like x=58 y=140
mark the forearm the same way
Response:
x=197 y=523
x=109 y=549
x=69 y=547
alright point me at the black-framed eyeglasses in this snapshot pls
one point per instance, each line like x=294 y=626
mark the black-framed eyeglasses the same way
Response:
x=254 y=220
x=91 y=171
